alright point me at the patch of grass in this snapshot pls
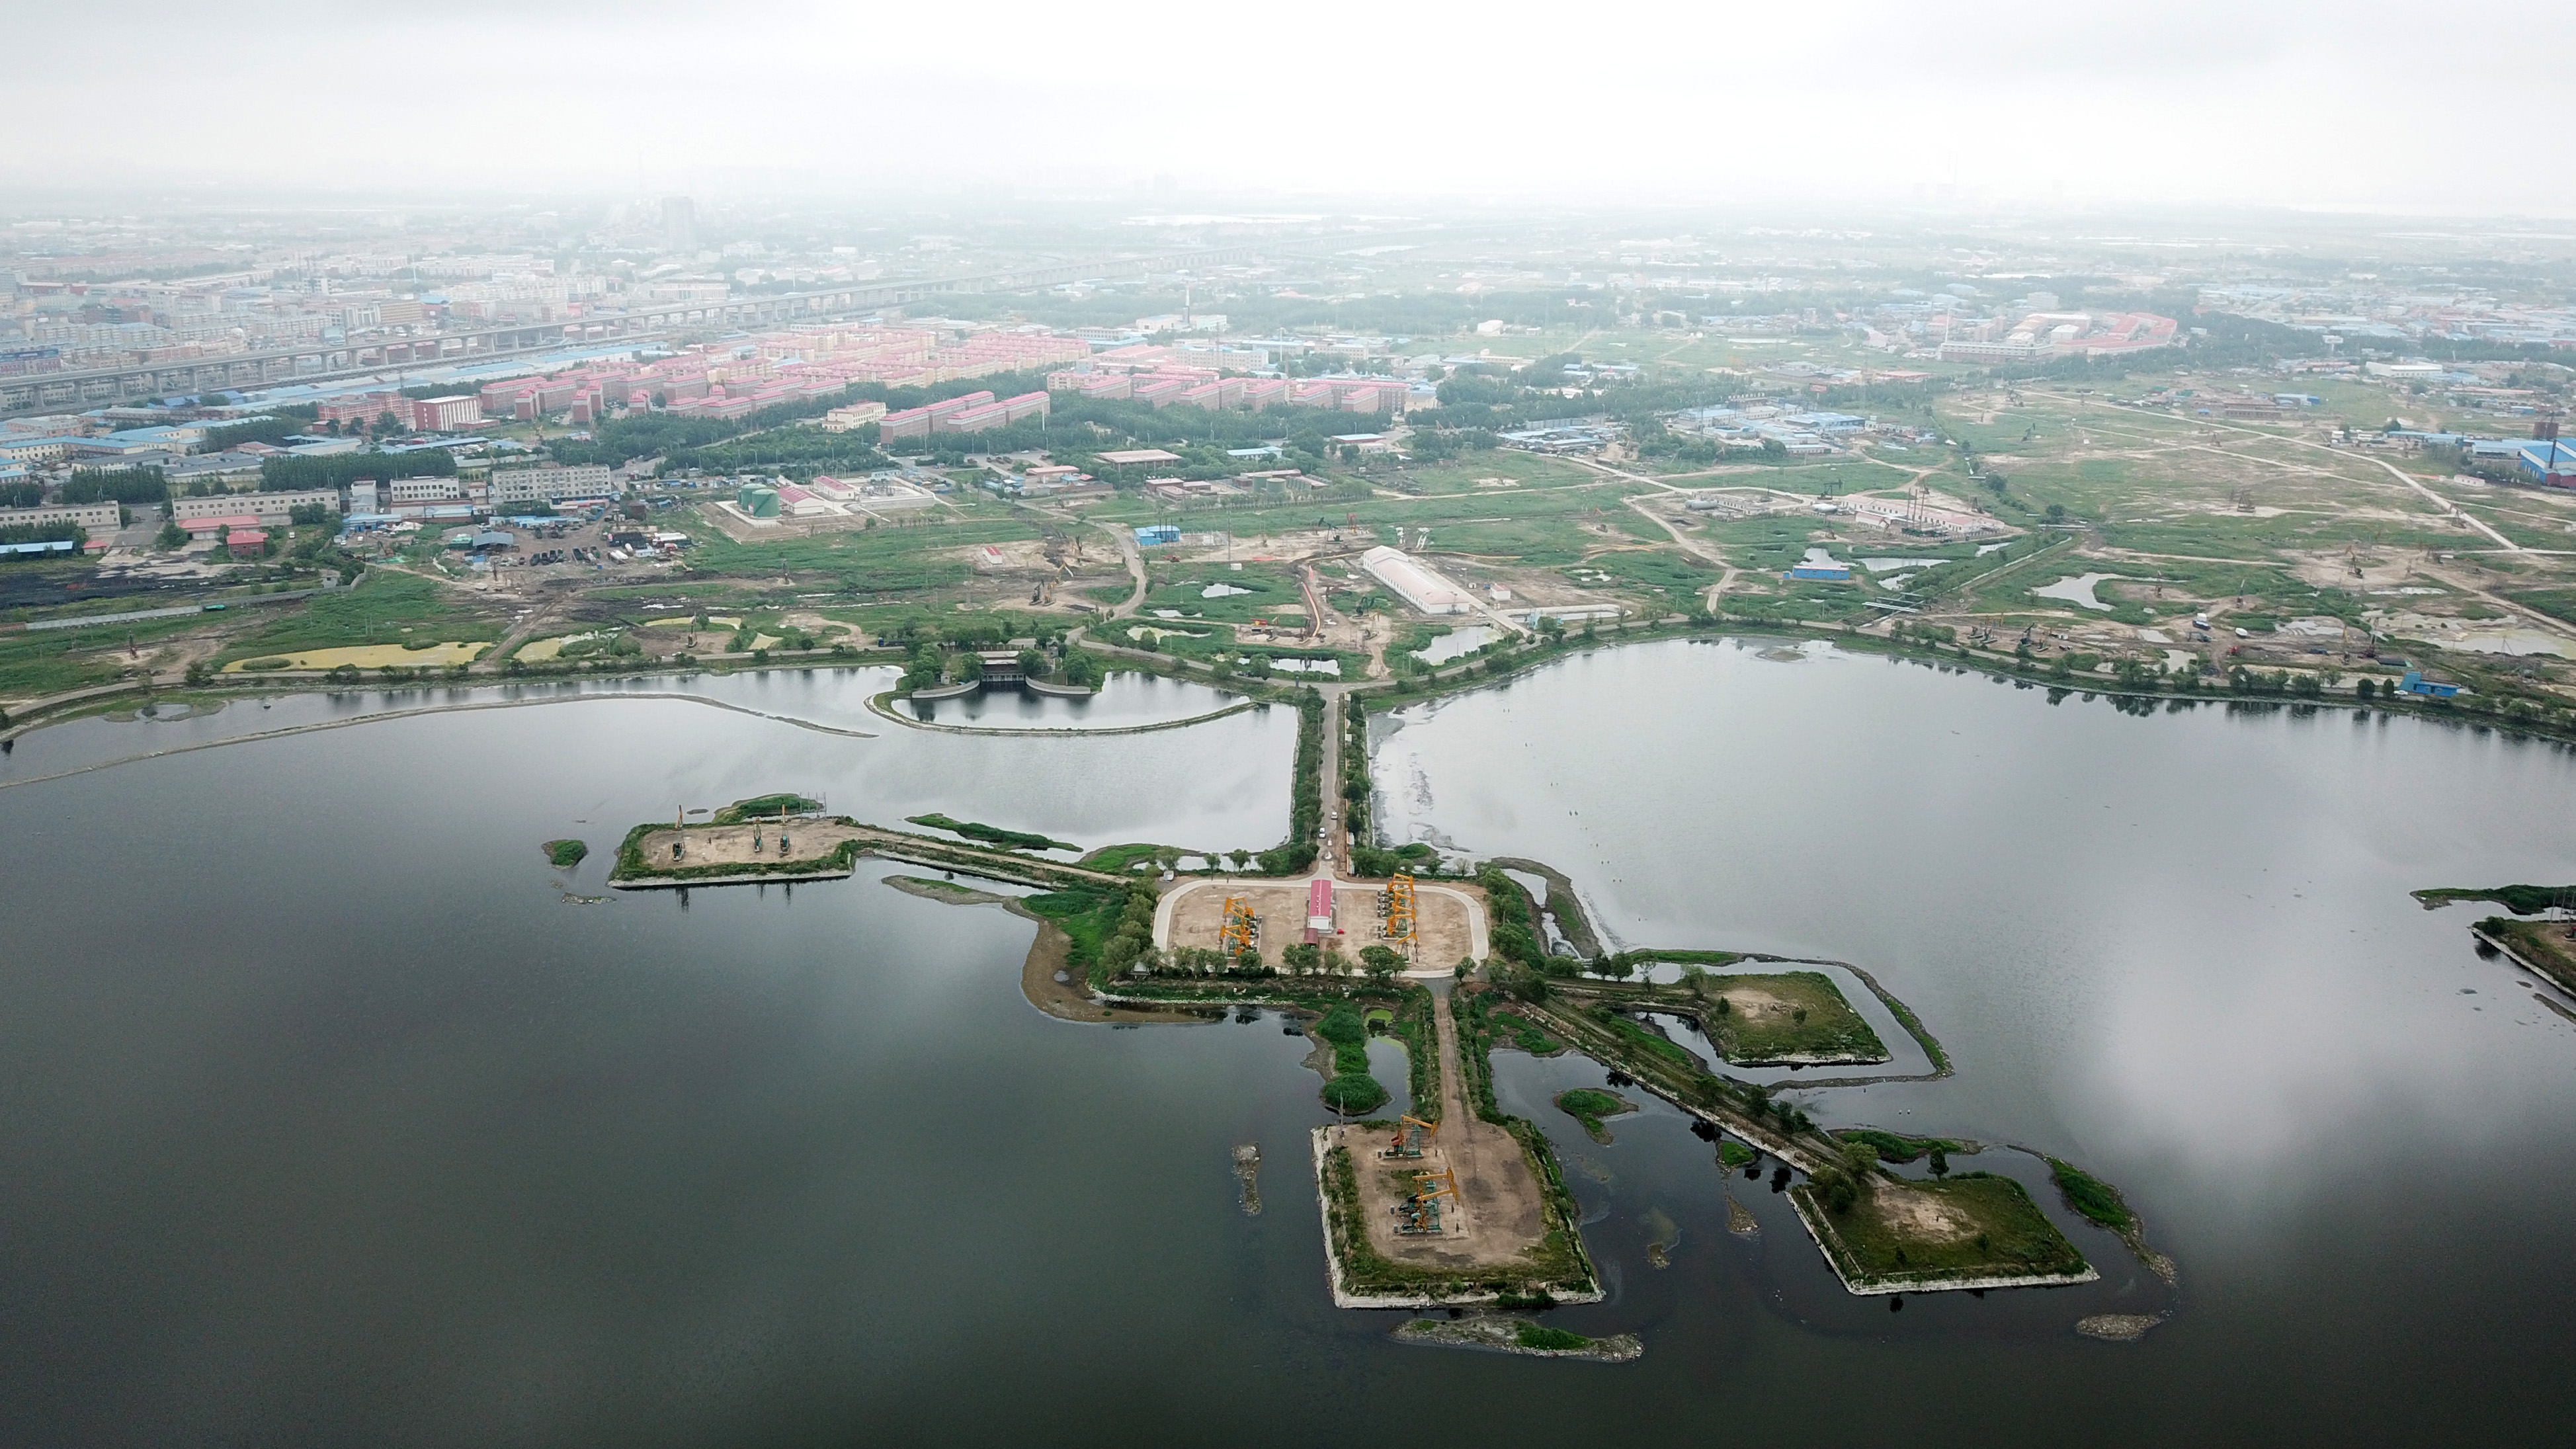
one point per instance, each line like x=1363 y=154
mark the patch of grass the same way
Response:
x=1895 y=1148
x=2097 y=1200
x=378 y=609
x=1265 y=590
x=992 y=834
x=1528 y=1037
x=1347 y=1032
x=1790 y=1015
x=1674 y=579
x=565 y=854
x=1351 y=1093
x=1732 y=1154
x=1588 y=1105
x=1550 y=1340
x=1119 y=857
x=1087 y=915
x=764 y=807
x=1655 y=1043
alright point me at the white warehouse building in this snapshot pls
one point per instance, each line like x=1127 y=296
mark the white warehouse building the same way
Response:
x=1416 y=582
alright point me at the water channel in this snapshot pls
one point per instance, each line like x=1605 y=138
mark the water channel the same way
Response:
x=331 y=1119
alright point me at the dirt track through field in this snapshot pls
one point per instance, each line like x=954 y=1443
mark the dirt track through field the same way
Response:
x=1500 y=1212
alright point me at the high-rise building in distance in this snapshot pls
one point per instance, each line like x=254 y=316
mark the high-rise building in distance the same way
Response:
x=679 y=224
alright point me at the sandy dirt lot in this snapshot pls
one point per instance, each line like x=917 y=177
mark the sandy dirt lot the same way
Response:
x=808 y=841
x=1282 y=908
x=1920 y=1215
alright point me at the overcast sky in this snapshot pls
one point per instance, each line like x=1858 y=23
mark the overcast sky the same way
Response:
x=2337 y=103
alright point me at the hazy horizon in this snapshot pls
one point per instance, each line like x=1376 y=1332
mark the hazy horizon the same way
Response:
x=1654 y=105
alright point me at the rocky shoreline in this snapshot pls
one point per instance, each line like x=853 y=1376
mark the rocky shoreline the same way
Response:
x=1495 y=1334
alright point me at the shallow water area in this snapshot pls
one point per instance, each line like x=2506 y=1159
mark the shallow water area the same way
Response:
x=2076 y=590
x=1459 y=641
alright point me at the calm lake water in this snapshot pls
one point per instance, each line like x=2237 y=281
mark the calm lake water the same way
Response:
x=329 y=1121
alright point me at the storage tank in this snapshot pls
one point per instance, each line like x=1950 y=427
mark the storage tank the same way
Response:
x=757 y=499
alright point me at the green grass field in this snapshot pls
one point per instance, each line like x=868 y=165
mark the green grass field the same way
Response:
x=382 y=608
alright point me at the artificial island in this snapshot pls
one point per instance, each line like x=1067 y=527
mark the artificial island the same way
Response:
x=1449 y=1200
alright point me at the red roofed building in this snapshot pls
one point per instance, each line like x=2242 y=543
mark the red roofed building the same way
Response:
x=1319 y=909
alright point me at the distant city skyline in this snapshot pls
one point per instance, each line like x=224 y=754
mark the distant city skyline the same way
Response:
x=2291 y=103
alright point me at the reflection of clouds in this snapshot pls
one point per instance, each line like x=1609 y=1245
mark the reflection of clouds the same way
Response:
x=2177 y=949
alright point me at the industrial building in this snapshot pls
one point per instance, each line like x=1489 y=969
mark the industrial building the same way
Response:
x=2548 y=462
x=1416 y=583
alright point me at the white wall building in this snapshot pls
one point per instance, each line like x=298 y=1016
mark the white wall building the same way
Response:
x=1417 y=583
x=94 y=518
x=524 y=485
x=266 y=507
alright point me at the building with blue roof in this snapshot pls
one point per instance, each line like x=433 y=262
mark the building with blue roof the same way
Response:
x=2548 y=462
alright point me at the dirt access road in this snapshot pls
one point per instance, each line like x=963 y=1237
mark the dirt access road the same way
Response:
x=1500 y=1211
